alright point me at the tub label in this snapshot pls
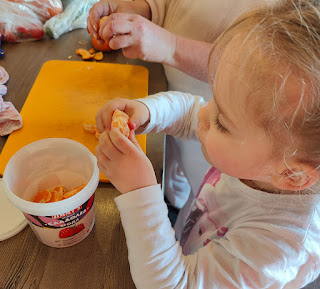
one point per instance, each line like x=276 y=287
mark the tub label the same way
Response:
x=65 y=220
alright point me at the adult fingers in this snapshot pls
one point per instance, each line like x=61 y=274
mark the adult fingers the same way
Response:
x=116 y=28
x=120 y=23
x=122 y=41
x=90 y=29
x=93 y=19
x=97 y=11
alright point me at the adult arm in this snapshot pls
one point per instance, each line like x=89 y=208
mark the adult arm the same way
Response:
x=191 y=57
x=143 y=39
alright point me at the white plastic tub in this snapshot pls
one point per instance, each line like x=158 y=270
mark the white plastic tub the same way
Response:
x=45 y=164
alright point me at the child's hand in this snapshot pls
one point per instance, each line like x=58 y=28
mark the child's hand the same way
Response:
x=138 y=37
x=123 y=162
x=138 y=113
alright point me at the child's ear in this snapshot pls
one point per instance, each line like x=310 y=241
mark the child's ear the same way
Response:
x=295 y=176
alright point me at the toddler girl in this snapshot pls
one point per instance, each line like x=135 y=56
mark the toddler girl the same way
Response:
x=255 y=219
x=177 y=33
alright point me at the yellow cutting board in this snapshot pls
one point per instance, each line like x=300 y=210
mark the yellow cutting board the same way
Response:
x=67 y=94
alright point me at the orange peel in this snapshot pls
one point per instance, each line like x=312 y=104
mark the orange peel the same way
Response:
x=85 y=54
x=98 y=56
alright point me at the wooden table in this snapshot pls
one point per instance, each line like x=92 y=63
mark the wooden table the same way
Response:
x=99 y=261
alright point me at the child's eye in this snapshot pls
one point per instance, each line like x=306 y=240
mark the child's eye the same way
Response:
x=219 y=126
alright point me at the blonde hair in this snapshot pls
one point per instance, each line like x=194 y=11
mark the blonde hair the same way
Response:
x=281 y=44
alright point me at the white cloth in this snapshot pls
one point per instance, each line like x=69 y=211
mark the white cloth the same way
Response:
x=10 y=118
x=237 y=237
x=202 y=20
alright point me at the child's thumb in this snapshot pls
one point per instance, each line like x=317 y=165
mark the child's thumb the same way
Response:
x=134 y=122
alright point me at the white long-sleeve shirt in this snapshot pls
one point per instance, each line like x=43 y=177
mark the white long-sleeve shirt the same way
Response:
x=202 y=20
x=234 y=237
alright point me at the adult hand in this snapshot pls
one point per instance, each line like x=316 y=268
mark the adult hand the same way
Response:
x=137 y=111
x=107 y=7
x=123 y=162
x=138 y=37
x=98 y=10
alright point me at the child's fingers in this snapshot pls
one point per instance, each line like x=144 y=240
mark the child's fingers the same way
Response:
x=108 y=148
x=103 y=119
x=99 y=122
x=134 y=121
x=102 y=159
x=133 y=139
x=123 y=144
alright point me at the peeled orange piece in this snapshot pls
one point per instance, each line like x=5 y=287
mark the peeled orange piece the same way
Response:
x=73 y=192
x=120 y=121
x=42 y=196
x=90 y=128
x=57 y=194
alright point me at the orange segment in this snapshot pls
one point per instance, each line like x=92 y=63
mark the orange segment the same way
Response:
x=120 y=114
x=90 y=128
x=42 y=196
x=120 y=121
x=73 y=192
x=57 y=194
x=102 y=19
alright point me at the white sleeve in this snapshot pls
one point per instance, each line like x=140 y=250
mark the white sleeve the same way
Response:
x=174 y=113
x=247 y=257
x=158 y=10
